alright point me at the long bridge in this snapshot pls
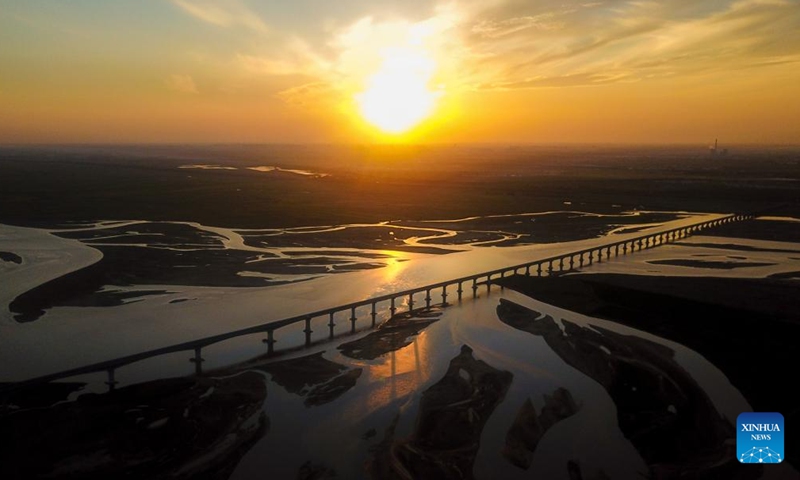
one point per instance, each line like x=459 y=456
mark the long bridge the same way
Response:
x=458 y=287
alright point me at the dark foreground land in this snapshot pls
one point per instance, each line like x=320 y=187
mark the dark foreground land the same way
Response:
x=54 y=185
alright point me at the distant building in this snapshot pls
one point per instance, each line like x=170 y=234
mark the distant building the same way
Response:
x=714 y=150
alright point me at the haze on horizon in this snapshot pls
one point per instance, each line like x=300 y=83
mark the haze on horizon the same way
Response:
x=484 y=71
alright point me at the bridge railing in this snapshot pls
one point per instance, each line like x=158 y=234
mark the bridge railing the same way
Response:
x=469 y=284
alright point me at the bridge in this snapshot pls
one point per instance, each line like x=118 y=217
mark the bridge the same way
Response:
x=369 y=308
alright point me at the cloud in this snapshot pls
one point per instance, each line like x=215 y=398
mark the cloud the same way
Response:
x=360 y=48
x=311 y=93
x=341 y=65
x=182 y=84
x=223 y=13
x=500 y=28
x=517 y=44
x=293 y=57
x=627 y=41
x=583 y=79
x=269 y=65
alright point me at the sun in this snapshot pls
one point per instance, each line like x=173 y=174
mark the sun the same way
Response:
x=397 y=97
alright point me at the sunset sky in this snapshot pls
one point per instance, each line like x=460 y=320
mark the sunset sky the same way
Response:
x=412 y=70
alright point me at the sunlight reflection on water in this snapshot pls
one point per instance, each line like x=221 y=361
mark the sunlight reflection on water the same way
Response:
x=393 y=384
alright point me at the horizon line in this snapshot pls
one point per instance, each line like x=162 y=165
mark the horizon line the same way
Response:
x=396 y=144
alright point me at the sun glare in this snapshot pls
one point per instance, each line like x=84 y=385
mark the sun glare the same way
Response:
x=398 y=97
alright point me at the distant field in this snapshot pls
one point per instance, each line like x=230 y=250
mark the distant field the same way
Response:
x=53 y=185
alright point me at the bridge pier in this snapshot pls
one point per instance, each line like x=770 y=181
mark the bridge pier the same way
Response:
x=392 y=309
x=410 y=302
x=474 y=288
x=428 y=299
x=332 y=324
x=373 y=313
x=444 y=295
x=270 y=341
x=111 y=382
x=459 y=291
x=308 y=331
x=198 y=361
x=353 y=319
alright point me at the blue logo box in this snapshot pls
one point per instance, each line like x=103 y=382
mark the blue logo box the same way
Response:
x=759 y=437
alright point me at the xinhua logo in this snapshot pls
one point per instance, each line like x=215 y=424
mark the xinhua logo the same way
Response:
x=759 y=438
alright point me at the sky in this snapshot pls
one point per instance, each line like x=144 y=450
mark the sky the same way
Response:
x=345 y=71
